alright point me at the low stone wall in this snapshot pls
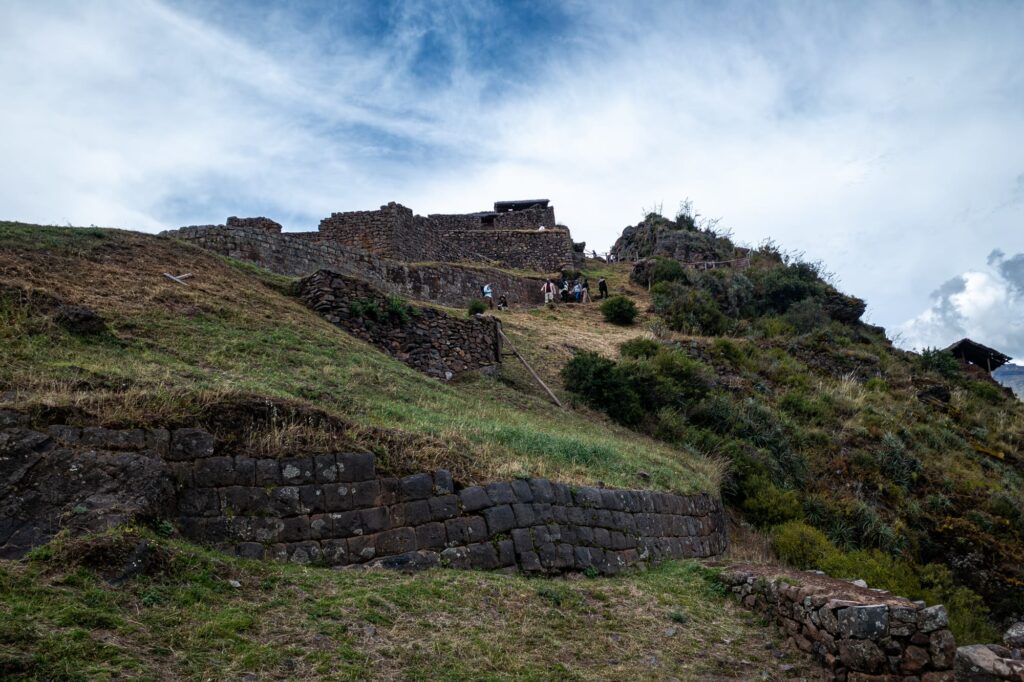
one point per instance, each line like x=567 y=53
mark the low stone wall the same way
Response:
x=426 y=339
x=300 y=253
x=856 y=633
x=334 y=508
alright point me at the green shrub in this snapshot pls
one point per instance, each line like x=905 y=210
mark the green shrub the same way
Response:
x=767 y=505
x=939 y=361
x=807 y=315
x=900 y=466
x=801 y=545
x=598 y=381
x=477 y=307
x=619 y=310
x=666 y=270
x=988 y=392
x=689 y=310
x=365 y=309
x=398 y=310
x=639 y=348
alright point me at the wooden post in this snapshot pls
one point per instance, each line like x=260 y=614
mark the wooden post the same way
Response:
x=527 y=365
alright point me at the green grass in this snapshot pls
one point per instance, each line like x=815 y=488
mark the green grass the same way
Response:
x=61 y=620
x=233 y=332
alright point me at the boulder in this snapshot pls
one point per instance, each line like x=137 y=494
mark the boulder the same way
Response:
x=1014 y=636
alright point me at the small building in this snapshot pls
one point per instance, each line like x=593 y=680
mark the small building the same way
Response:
x=975 y=353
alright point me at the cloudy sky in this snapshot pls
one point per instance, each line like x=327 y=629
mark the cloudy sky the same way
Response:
x=886 y=139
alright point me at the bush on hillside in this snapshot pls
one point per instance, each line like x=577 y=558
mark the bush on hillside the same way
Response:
x=639 y=348
x=601 y=385
x=619 y=310
x=940 y=361
x=666 y=270
x=766 y=505
x=477 y=307
x=801 y=545
x=689 y=310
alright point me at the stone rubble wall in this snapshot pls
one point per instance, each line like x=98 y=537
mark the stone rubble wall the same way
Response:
x=337 y=510
x=526 y=219
x=857 y=634
x=394 y=232
x=428 y=339
x=298 y=254
x=260 y=223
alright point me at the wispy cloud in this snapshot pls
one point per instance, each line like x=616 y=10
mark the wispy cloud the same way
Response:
x=884 y=139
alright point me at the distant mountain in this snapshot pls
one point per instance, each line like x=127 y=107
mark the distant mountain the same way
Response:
x=1013 y=376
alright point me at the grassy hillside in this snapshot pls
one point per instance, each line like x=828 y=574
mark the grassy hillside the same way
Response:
x=196 y=614
x=857 y=457
x=233 y=339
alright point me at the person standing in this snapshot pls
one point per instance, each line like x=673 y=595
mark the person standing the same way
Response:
x=577 y=291
x=489 y=296
x=602 y=288
x=549 y=291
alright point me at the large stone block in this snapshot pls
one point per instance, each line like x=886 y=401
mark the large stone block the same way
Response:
x=297 y=471
x=417 y=486
x=444 y=507
x=355 y=466
x=473 y=499
x=466 y=530
x=932 y=618
x=431 y=536
x=190 y=444
x=862 y=655
x=215 y=472
x=499 y=519
x=864 y=622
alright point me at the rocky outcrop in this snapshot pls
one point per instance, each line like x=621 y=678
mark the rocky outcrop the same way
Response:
x=426 y=339
x=856 y=633
x=80 y=479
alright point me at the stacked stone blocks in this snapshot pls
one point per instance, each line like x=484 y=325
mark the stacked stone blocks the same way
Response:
x=333 y=509
x=426 y=339
x=856 y=637
x=298 y=254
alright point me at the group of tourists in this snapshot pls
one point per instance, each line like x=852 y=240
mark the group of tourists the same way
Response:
x=568 y=291
x=487 y=291
x=577 y=290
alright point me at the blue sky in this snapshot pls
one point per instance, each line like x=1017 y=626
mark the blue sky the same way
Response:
x=886 y=139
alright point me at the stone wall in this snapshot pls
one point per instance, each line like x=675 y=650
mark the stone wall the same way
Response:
x=858 y=634
x=526 y=219
x=335 y=508
x=426 y=339
x=548 y=250
x=260 y=223
x=300 y=253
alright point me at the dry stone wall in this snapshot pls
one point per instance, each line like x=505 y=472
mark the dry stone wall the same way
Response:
x=334 y=508
x=426 y=339
x=858 y=634
x=526 y=219
x=298 y=254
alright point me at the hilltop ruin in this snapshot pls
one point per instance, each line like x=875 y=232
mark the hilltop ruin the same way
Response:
x=442 y=258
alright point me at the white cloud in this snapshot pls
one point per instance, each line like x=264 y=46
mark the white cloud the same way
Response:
x=886 y=140
x=986 y=305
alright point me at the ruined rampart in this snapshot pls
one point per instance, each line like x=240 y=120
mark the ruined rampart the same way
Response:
x=855 y=632
x=301 y=253
x=424 y=338
x=335 y=508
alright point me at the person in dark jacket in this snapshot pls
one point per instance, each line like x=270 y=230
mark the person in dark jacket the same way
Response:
x=602 y=288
